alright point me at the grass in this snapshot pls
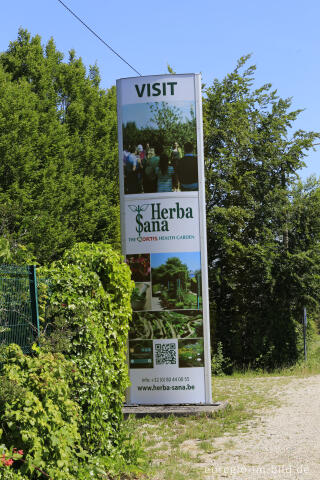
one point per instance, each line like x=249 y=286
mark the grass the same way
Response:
x=178 y=448
x=188 y=300
x=182 y=448
x=301 y=368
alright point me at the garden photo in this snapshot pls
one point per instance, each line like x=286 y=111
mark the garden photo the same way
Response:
x=176 y=281
x=190 y=353
x=141 y=297
x=140 y=266
x=177 y=324
x=159 y=147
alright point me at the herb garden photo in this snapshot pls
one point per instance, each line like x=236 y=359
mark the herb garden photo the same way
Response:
x=176 y=281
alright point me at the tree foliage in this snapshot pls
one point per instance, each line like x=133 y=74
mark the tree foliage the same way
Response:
x=168 y=124
x=171 y=271
x=171 y=124
x=58 y=150
x=260 y=267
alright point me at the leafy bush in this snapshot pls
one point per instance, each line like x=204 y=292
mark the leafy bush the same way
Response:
x=7 y=457
x=37 y=415
x=89 y=298
x=138 y=299
x=66 y=414
x=220 y=364
x=9 y=474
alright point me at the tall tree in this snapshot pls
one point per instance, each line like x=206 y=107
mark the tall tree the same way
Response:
x=172 y=271
x=173 y=125
x=58 y=151
x=251 y=163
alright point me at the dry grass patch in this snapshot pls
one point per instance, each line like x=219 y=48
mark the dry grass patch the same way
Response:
x=181 y=448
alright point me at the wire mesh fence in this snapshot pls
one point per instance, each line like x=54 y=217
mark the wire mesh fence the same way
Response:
x=19 y=320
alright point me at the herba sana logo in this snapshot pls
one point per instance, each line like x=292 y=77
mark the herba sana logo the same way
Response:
x=139 y=217
x=160 y=217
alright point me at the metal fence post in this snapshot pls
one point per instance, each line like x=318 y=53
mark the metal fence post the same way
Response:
x=305 y=322
x=34 y=297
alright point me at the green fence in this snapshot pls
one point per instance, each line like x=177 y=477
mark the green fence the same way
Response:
x=19 y=318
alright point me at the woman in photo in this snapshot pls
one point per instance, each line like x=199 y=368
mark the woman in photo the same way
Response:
x=176 y=154
x=149 y=170
x=164 y=174
x=131 y=169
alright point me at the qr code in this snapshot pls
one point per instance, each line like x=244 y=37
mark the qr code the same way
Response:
x=166 y=353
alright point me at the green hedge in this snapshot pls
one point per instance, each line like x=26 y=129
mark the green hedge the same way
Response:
x=88 y=294
x=61 y=408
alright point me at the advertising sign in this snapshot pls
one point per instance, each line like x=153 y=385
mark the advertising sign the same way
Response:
x=163 y=234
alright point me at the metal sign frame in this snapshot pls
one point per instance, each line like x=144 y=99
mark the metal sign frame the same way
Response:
x=159 y=80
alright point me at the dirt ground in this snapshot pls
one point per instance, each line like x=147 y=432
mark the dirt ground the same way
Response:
x=282 y=444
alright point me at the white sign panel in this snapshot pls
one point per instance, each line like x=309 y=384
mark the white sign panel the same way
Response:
x=164 y=237
x=162 y=224
x=164 y=88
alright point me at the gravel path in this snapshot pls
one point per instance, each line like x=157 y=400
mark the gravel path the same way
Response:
x=285 y=445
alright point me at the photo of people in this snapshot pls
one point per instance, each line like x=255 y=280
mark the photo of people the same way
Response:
x=159 y=147
x=176 y=281
x=172 y=324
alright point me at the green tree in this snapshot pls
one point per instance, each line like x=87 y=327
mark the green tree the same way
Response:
x=58 y=150
x=168 y=124
x=172 y=126
x=251 y=163
x=170 y=273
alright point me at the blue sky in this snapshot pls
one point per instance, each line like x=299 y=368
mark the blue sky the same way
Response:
x=191 y=259
x=206 y=36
